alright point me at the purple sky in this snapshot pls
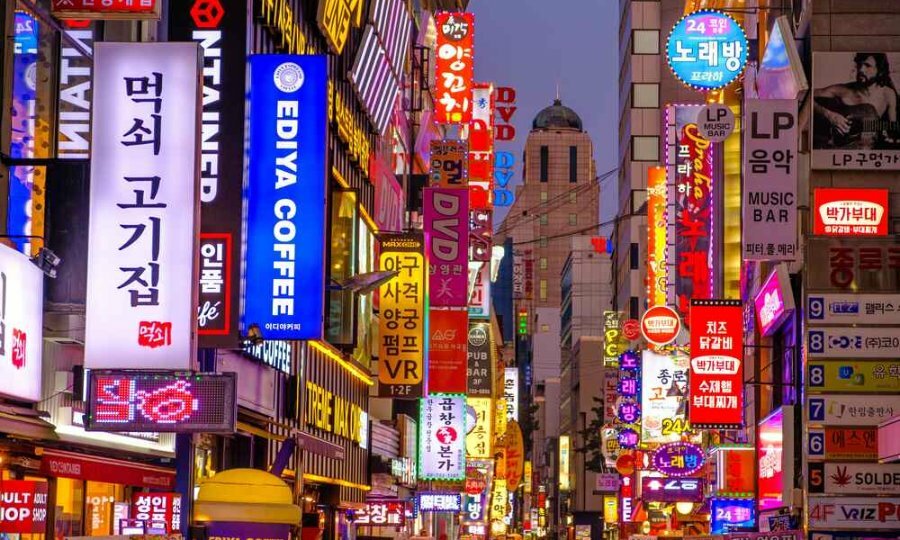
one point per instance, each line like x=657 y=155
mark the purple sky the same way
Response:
x=534 y=44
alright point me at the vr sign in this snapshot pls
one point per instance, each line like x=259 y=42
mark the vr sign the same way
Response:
x=286 y=197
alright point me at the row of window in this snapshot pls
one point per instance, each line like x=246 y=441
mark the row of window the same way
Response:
x=545 y=164
x=573 y=197
x=573 y=219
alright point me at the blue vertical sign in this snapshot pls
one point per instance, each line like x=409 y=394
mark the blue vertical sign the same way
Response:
x=284 y=277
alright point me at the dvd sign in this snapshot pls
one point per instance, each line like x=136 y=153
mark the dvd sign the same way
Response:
x=851 y=212
x=660 y=325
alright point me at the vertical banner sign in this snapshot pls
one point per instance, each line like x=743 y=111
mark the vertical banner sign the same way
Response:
x=479 y=365
x=717 y=375
x=454 y=67
x=284 y=279
x=692 y=196
x=402 y=322
x=657 y=232
x=448 y=164
x=480 y=302
x=481 y=145
x=612 y=338
x=141 y=276
x=663 y=396
x=73 y=139
x=442 y=438
x=447 y=240
x=480 y=412
x=156 y=509
x=222 y=37
x=770 y=180
x=447 y=351
x=775 y=452
x=511 y=393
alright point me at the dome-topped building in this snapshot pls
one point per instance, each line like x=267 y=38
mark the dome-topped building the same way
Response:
x=557 y=116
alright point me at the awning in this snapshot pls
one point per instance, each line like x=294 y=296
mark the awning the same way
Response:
x=25 y=423
x=100 y=469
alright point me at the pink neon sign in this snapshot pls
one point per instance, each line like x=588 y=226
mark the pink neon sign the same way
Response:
x=774 y=301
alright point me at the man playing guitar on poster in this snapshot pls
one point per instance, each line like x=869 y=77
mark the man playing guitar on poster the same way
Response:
x=861 y=114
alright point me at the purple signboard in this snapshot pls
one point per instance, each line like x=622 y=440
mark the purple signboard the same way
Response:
x=238 y=530
x=774 y=302
x=775 y=535
x=446 y=239
x=672 y=489
x=678 y=459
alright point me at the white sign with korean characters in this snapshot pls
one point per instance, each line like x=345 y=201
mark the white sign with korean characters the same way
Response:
x=21 y=325
x=850 y=410
x=839 y=342
x=847 y=309
x=142 y=237
x=442 y=438
x=769 y=202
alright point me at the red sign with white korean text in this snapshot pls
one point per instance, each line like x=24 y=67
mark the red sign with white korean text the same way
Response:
x=454 y=67
x=156 y=509
x=660 y=325
x=850 y=212
x=717 y=377
x=447 y=352
x=106 y=9
x=23 y=507
x=381 y=513
x=481 y=146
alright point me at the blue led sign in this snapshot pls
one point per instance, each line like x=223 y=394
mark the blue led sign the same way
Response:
x=284 y=280
x=707 y=50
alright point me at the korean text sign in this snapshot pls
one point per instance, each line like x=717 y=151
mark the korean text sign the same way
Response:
x=479 y=369
x=150 y=401
x=663 y=397
x=717 y=375
x=770 y=180
x=21 y=325
x=447 y=350
x=442 y=438
x=449 y=168
x=447 y=240
x=774 y=437
x=153 y=508
x=141 y=276
x=850 y=212
x=387 y=513
x=402 y=320
x=707 y=50
x=284 y=279
x=478 y=439
x=691 y=195
x=454 y=67
x=222 y=37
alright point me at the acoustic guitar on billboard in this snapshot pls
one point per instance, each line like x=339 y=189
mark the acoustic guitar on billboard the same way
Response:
x=867 y=129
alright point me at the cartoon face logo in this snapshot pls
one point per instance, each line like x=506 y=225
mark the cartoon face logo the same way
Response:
x=446 y=435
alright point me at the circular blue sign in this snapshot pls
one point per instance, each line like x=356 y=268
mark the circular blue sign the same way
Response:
x=707 y=50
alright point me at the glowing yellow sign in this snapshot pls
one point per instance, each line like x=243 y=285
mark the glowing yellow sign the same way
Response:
x=564 y=454
x=499 y=500
x=335 y=18
x=610 y=509
x=527 y=478
x=478 y=441
x=349 y=129
x=402 y=317
x=499 y=418
x=279 y=17
x=332 y=413
x=657 y=230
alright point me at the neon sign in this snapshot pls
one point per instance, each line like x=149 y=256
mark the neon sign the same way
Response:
x=774 y=302
x=707 y=50
x=672 y=489
x=678 y=459
x=657 y=231
x=851 y=212
x=140 y=401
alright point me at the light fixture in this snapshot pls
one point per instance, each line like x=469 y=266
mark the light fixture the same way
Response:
x=684 y=508
x=47 y=261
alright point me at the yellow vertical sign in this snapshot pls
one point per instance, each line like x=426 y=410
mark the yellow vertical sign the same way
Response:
x=478 y=441
x=610 y=509
x=564 y=455
x=528 y=473
x=402 y=317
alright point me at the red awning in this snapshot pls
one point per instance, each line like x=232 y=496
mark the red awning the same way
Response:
x=100 y=469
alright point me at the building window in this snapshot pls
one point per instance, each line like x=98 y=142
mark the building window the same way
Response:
x=544 y=196
x=573 y=219
x=545 y=327
x=545 y=163
x=633 y=307
x=573 y=197
x=645 y=95
x=544 y=219
x=645 y=42
x=644 y=148
x=634 y=256
x=543 y=263
x=543 y=289
x=573 y=164
x=543 y=242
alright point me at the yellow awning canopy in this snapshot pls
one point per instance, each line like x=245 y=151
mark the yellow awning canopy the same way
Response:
x=247 y=495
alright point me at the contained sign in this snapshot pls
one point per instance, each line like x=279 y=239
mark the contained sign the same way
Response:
x=850 y=212
x=707 y=50
x=851 y=309
x=854 y=513
x=857 y=376
x=660 y=325
x=716 y=122
x=849 y=410
x=23 y=507
x=854 y=478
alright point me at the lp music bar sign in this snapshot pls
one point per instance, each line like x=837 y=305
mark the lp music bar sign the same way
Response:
x=770 y=180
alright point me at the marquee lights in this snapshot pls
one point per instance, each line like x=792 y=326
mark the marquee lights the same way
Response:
x=707 y=50
x=142 y=401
